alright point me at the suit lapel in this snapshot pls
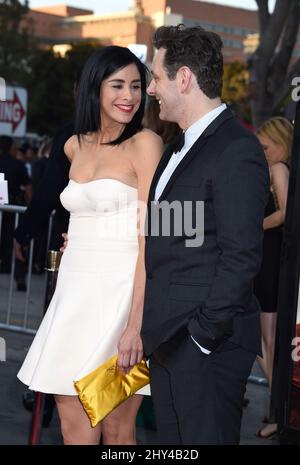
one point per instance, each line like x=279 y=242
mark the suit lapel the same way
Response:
x=160 y=169
x=194 y=150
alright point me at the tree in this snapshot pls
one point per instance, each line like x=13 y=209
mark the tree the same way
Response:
x=15 y=40
x=51 y=86
x=235 y=89
x=78 y=54
x=48 y=77
x=50 y=91
x=271 y=66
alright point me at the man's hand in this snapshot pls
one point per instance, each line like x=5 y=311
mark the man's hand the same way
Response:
x=130 y=350
x=63 y=248
x=18 y=251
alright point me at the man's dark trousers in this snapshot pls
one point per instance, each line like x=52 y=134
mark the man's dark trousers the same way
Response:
x=186 y=385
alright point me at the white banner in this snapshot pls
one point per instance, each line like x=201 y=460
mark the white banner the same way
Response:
x=140 y=50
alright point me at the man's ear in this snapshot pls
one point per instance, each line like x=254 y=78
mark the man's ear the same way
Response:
x=184 y=77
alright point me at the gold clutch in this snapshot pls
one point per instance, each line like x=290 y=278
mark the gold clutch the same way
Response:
x=105 y=388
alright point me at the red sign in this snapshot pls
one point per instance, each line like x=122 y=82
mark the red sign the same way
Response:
x=12 y=111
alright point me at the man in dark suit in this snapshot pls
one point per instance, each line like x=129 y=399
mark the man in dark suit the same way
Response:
x=201 y=327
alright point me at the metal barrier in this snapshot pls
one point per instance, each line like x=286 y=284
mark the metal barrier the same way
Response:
x=8 y=323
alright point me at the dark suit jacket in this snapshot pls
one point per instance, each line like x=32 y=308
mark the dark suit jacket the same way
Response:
x=208 y=289
x=46 y=197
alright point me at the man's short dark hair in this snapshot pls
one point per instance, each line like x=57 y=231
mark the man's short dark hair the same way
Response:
x=196 y=48
x=6 y=143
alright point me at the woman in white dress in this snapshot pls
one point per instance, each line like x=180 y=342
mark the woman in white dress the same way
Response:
x=96 y=310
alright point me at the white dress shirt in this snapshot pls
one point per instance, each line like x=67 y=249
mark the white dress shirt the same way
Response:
x=190 y=137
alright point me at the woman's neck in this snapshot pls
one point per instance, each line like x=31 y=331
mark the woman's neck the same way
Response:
x=109 y=133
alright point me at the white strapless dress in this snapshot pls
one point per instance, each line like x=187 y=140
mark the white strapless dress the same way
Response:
x=90 y=307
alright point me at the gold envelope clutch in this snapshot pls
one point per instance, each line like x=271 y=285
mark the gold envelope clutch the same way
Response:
x=105 y=388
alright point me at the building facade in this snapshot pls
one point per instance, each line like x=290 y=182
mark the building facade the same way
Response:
x=62 y=25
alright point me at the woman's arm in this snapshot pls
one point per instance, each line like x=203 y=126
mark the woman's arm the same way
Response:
x=147 y=154
x=280 y=177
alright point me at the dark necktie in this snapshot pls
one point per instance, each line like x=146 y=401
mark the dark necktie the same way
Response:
x=179 y=143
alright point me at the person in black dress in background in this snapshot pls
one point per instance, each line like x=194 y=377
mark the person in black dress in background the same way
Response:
x=46 y=198
x=275 y=135
x=19 y=193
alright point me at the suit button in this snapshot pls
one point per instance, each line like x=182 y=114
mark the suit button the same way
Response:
x=149 y=275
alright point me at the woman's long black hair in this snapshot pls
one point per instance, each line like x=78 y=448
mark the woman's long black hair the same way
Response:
x=98 y=67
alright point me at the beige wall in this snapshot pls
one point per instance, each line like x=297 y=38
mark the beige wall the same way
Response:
x=44 y=25
x=214 y=13
x=144 y=35
x=152 y=6
x=63 y=10
x=209 y=13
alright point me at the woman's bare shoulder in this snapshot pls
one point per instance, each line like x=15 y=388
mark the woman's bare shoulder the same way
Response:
x=148 y=136
x=279 y=167
x=71 y=146
x=279 y=171
x=147 y=150
x=146 y=142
